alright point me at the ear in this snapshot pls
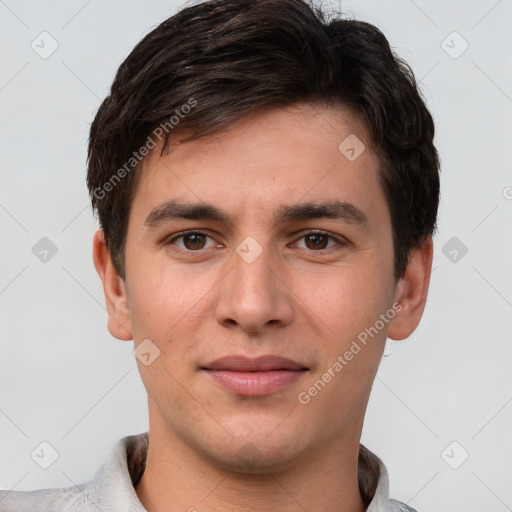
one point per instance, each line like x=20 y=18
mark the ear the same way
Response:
x=119 y=319
x=411 y=292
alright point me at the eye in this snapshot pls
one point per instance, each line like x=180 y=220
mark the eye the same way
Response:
x=313 y=241
x=319 y=240
x=192 y=241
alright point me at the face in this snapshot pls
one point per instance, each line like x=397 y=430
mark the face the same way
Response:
x=255 y=262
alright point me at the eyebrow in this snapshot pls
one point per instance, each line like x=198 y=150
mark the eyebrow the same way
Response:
x=172 y=210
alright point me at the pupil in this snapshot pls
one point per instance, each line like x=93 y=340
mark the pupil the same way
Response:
x=318 y=241
x=194 y=241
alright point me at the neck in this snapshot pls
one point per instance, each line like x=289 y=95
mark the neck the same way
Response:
x=178 y=479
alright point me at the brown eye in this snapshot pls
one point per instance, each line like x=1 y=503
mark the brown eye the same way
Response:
x=316 y=241
x=193 y=241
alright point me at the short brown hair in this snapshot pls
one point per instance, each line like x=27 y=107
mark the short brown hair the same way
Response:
x=216 y=62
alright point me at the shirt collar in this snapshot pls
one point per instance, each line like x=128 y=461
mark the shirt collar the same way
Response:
x=113 y=487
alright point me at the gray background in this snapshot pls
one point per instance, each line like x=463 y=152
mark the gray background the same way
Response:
x=66 y=381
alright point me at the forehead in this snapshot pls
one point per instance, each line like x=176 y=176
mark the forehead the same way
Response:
x=298 y=154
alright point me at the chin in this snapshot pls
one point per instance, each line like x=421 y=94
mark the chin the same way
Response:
x=255 y=452
x=255 y=459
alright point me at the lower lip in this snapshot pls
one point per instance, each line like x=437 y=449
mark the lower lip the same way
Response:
x=256 y=383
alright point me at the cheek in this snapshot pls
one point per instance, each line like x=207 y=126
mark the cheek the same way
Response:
x=351 y=307
x=164 y=300
x=347 y=299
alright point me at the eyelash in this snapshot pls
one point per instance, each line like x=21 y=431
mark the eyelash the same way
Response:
x=339 y=241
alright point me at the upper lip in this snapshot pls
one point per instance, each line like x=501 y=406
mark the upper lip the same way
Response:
x=256 y=364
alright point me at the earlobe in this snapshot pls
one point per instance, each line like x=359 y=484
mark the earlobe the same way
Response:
x=114 y=288
x=411 y=292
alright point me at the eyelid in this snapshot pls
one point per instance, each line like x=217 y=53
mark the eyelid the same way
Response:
x=341 y=241
x=170 y=240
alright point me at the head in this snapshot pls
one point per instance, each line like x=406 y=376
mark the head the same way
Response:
x=298 y=150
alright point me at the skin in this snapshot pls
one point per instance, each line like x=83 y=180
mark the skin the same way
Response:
x=211 y=449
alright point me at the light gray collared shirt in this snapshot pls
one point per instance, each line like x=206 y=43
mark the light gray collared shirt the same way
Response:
x=113 y=486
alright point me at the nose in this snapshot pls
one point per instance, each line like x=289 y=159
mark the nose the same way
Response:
x=253 y=295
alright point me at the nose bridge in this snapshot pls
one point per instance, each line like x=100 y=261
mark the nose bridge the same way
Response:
x=252 y=280
x=252 y=267
x=251 y=295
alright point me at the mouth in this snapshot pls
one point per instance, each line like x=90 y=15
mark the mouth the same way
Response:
x=255 y=376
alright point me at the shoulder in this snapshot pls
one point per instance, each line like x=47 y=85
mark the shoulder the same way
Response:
x=110 y=490
x=398 y=506
x=45 y=500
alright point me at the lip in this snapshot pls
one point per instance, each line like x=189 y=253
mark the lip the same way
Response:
x=254 y=364
x=255 y=376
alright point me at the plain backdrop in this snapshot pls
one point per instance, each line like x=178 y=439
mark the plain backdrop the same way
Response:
x=440 y=412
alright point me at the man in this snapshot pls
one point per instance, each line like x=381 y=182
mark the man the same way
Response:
x=267 y=189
